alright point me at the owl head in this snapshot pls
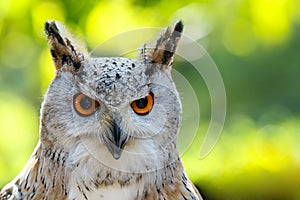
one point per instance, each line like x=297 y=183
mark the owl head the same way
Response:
x=121 y=111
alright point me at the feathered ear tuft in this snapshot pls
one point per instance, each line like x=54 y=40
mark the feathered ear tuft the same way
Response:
x=165 y=47
x=65 y=51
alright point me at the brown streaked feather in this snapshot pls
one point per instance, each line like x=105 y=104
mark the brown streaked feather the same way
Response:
x=165 y=47
x=41 y=178
x=175 y=186
x=63 y=52
x=197 y=192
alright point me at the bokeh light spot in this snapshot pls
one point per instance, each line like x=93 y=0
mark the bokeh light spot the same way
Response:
x=17 y=9
x=18 y=128
x=18 y=51
x=46 y=69
x=271 y=20
x=108 y=19
x=238 y=38
x=4 y=7
x=272 y=146
x=43 y=12
x=196 y=22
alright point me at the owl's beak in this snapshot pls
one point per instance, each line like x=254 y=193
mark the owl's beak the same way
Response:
x=115 y=140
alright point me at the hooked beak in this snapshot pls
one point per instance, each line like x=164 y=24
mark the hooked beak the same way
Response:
x=115 y=140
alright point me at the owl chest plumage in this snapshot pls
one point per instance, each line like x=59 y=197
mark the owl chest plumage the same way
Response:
x=53 y=175
x=169 y=182
x=111 y=192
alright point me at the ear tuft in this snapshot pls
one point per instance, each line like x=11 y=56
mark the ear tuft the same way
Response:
x=178 y=26
x=165 y=47
x=65 y=51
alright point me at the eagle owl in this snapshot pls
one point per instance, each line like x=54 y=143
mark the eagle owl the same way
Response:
x=108 y=127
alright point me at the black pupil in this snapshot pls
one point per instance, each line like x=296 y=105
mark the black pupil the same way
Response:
x=86 y=103
x=142 y=103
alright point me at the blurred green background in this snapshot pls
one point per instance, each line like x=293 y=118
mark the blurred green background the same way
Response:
x=254 y=43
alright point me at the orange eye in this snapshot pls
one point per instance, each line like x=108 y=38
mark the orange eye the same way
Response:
x=84 y=105
x=144 y=105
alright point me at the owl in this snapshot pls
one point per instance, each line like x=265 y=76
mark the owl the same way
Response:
x=108 y=127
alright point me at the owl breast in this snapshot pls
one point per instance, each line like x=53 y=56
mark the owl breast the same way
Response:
x=112 y=192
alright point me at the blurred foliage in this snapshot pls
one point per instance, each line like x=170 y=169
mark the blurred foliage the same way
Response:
x=255 y=44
